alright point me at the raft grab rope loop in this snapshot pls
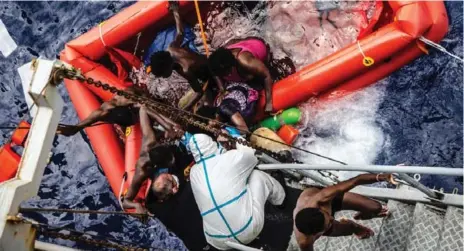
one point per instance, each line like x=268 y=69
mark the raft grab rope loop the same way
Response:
x=439 y=47
x=367 y=61
x=137 y=43
x=101 y=34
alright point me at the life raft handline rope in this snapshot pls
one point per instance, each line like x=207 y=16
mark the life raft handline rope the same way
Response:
x=439 y=47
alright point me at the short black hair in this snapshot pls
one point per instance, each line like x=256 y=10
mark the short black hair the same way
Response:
x=159 y=61
x=221 y=61
x=161 y=155
x=309 y=221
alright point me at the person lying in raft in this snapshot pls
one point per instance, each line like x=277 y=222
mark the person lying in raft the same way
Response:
x=243 y=61
x=228 y=112
x=118 y=110
x=229 y=193
x=315 y=209
x=180 y=57
x=157 y=162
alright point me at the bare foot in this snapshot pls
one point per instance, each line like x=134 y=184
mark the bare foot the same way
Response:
x=384 y=212
x=361 y=231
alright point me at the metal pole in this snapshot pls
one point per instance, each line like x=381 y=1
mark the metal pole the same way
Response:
x=240 y=246
x=369 y=168
x=416 y=184
x=315 y=177
x=268 y=159
x=44 y=246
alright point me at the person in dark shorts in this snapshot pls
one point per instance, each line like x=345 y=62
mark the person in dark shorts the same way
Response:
x=314 y=212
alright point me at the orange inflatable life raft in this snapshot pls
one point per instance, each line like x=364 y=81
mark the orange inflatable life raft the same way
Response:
x=389 y=42
x=9 y=159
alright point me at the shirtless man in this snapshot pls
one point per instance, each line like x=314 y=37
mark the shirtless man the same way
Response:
x=190 y=65
x=153 y=159
x=118 y=110
x=315 y=209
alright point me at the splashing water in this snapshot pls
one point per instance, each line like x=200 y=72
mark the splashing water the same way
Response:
x=347 y=129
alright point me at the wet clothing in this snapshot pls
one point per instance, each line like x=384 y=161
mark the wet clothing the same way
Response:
x=240 y=98
x=229 y=193
x=254 y=46
x=165 y=37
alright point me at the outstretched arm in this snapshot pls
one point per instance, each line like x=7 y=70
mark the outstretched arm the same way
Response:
x=149 y=138
x=328 y=193
x=258 y=68
x=139 y=177
x=101 y=114
x=174 y=8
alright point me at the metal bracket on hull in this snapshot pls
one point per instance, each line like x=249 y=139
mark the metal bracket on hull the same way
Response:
x=17 y=235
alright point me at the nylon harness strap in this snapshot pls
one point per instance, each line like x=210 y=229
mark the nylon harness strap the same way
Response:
x=216 y=206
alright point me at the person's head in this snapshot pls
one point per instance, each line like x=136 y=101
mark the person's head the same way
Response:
x=165 y=186
x=161 y=64
x=162 y=156
x=310 y=221
x=221 y=62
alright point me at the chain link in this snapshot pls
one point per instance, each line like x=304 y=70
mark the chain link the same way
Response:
x=178 y=115
x=87 y=240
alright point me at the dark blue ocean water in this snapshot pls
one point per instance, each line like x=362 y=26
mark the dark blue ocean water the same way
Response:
x=422 y=113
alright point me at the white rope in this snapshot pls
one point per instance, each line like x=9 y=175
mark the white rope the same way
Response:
x=121 y=190
x=137 y=43
x=360 y=49
x=101 y=34
x=439 y=47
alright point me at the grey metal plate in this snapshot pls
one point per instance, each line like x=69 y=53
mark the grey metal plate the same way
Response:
x=393 y=234
x=452 y=233
x=370 y=243
x=340 y=243
x=425 y=233
x=319 y=245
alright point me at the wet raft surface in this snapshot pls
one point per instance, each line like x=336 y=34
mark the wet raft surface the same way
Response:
x=417 y=111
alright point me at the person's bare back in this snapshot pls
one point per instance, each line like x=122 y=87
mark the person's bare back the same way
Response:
x=314 y=212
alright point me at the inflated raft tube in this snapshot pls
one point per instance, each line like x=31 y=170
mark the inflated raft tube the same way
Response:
x=391 y=46
x=117 y=161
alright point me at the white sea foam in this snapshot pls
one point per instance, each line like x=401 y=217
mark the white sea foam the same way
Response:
x=346 y=129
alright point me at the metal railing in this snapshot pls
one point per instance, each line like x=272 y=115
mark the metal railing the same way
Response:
x=400 y=172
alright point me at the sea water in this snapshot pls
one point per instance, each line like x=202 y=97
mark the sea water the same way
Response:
x=413 y=117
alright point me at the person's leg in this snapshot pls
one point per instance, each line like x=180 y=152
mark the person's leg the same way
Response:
x=262 y=187
x=347 y=227
x=366 y=207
